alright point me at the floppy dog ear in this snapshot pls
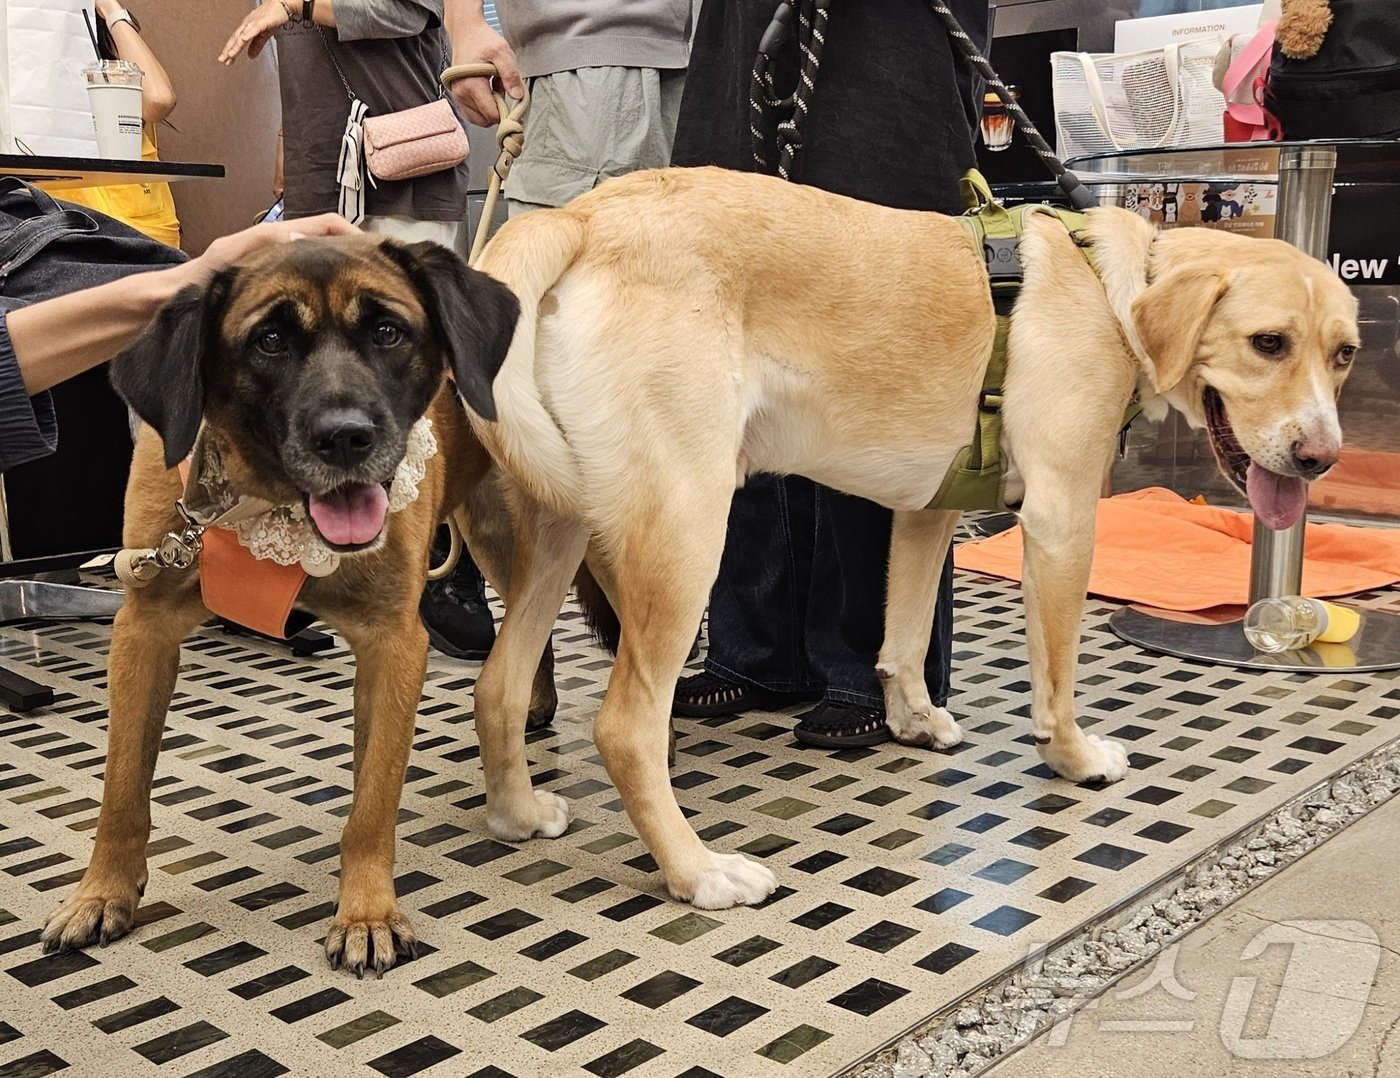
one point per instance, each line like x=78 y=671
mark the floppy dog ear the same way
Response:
x=161 y=373
x=1171 y=315
x=473 y=315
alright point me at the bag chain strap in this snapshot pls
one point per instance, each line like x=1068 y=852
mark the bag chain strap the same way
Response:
x=341 y=74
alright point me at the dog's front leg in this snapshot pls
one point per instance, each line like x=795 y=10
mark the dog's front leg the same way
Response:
x=919 y=542
x=369 y=930
x=141 y=670
x=1058 y=535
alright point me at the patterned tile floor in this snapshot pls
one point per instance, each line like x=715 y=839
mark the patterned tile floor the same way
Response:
x=908 y=878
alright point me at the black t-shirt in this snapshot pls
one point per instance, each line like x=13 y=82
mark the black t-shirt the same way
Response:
x=894 y=110
x=387 y=74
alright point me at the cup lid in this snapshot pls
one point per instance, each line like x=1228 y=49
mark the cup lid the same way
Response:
x=112 y=67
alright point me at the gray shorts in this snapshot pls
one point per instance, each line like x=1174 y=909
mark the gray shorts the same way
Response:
x=586 y=125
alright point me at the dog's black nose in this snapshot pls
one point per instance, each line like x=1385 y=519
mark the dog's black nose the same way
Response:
x=342 y=436
x=1313 y=456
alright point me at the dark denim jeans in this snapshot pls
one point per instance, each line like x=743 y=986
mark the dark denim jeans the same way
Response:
x=799 y=602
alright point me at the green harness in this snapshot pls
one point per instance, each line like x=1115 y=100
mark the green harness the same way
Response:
x=977 y=475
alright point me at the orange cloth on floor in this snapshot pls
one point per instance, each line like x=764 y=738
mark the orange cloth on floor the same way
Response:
x=1156 y=548
x=1362 y=481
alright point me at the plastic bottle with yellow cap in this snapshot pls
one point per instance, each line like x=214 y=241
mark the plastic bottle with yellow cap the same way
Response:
x=1291 y=622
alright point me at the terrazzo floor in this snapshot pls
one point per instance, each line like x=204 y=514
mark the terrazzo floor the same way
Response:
x=908 y=878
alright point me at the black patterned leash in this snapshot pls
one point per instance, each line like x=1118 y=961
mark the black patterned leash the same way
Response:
x=811 y=18
x=1080 y=197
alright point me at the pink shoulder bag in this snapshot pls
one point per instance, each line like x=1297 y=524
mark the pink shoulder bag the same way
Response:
x=397 y=145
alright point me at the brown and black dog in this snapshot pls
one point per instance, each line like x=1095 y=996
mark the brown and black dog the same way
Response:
x=307 y=364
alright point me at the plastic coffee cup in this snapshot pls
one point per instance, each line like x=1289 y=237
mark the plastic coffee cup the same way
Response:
x=114 y=95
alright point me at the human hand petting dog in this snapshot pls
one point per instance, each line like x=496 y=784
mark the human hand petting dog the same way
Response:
x=226 y=250
x=58 y=338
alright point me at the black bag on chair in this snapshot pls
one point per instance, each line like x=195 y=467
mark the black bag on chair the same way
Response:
x=1346 y=86
x=70 y=501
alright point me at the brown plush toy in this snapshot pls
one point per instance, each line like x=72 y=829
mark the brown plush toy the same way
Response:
x=1303 y=26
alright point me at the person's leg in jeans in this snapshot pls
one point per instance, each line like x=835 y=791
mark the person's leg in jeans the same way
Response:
x=757 y=655
x=845 y=622
x=454 y=609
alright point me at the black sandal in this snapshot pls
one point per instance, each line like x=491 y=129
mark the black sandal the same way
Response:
x=707 y=696
x=832 y=725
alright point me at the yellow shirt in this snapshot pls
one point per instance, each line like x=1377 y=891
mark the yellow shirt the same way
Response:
x=146 y=207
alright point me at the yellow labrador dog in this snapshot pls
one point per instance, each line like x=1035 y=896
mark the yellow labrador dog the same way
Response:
x=683 y=329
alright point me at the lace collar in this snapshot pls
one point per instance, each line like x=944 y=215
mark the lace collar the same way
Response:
x=285 y=536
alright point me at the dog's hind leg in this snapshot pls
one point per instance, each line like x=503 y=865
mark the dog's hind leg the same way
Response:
x=919 y=543
x=1057 y=522
x=548 y=549
x=487 y=529
x=659 y=581
x=141 y=671
x=369 y=930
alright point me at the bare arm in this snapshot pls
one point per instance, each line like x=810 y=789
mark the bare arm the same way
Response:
x=157 y=91
x=353 y=20
x=58 y=338
x=258 y=26
x=55 y=339
x=474 y=41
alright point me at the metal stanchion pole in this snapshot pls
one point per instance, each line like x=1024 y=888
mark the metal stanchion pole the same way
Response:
x=1304 y=218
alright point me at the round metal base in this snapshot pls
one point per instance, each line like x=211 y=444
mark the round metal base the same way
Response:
x=1376 y=645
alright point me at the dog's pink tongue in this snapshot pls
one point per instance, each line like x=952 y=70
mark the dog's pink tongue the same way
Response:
x=350 y=516
x=1277 y=500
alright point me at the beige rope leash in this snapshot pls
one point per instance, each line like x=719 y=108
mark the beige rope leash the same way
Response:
x=180 y=548
x=454 y=552
x=510 y=139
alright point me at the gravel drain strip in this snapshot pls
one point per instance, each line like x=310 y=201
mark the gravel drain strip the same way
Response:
x=969 y=1036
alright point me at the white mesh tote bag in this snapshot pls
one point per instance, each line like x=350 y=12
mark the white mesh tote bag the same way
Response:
x=1137 y=100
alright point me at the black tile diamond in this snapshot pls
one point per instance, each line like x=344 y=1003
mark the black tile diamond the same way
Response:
x=869 y=996
x=566 y=1029
x=726 y=1016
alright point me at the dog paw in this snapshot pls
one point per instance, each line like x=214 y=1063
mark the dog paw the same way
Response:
x=731 y=879
x=373 y=944
x=90 y=915
x=1092 y=759
x=546 y=815
x=931 y=727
